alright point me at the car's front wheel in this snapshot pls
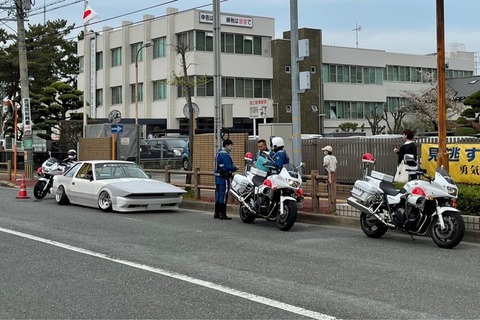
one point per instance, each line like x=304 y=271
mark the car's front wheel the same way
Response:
x=105 y=201
x=61 y=196
x=185 y=164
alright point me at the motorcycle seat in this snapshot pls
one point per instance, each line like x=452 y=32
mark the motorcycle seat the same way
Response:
x=389 y=188
x=258 y=180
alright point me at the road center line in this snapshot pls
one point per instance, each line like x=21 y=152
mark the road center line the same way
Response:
x=178 y=276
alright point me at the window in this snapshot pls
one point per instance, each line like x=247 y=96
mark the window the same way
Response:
x=248 y=88
x=228 y=87
x=180 y=88
x=159 y=47
x=140 y=92
x=229 y=43
x=99 y=61
x=204 y=41
x=240 y=88
x=80 y=64
x=136 y=52
x=247 y=45
x=205 y=89
x=116 y=57
x=117 y=95
x=99 y=97
x=257 y=46
x=159 y=90
x=185 y=41
x=267 y=89
x=257 y=89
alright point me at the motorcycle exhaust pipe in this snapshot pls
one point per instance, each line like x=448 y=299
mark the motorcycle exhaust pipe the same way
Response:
x=241 y=200
x=357 y=205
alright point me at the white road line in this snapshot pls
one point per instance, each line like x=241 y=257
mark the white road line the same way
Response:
x=245 y=295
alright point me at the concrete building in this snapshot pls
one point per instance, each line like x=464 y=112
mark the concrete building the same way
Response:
x=345 y=83
x=246 y=68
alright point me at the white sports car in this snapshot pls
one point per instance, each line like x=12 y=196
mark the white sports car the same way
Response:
x=114 y=185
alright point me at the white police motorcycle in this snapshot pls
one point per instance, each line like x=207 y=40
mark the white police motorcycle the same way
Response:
x=421 y=206
x=50 y=168
x=273 y=196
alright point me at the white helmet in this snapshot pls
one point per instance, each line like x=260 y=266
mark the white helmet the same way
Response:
x=277 y=142
x=72 y=154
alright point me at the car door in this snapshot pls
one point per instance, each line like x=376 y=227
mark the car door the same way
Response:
x=82 y=186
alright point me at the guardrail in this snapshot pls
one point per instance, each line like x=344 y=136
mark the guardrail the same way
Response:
x=315 y=186
x=8 y=168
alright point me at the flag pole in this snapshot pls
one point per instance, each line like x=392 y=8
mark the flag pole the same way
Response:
x=84 y=72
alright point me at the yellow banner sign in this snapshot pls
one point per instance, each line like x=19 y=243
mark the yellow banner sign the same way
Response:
x=464 y=165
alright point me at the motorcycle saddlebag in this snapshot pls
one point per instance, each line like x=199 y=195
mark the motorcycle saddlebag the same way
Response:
x=363 y=191
x=239 y=183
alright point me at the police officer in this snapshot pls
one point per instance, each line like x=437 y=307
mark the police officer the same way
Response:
x=223 y=172
x=279 y=154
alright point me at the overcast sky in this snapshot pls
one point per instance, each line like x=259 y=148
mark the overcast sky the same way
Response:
x=407 y=26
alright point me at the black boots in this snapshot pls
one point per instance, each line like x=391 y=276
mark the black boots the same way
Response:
x=222 y=211
x=216 y=215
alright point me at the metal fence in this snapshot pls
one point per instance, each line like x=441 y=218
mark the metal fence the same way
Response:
x=349 y=151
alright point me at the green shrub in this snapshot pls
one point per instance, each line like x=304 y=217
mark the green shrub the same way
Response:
x=468 y=201
x=462 y=120
x=465 y=131
x=468 y=113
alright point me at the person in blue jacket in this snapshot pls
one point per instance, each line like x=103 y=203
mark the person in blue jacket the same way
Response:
x=223 y=172
x=279 y=155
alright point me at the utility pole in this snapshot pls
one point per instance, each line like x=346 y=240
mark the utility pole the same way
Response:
x=442 y=158
x=217 y=78
x=21 y=7
x=296 y=114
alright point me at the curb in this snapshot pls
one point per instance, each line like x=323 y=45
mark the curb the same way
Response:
x=307 y=217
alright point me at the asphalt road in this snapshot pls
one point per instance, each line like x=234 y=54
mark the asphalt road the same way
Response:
x=73 y=262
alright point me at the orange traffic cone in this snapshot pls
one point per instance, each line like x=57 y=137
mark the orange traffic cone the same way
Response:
x=22 y=194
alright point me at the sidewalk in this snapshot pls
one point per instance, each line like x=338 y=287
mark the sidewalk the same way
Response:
x=344 y=217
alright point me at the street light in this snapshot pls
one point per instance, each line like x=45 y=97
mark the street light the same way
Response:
x=145 y=45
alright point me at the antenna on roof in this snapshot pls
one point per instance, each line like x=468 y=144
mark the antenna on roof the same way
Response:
x=357 y=28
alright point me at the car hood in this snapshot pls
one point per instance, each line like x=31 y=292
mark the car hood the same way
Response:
x=144 y=186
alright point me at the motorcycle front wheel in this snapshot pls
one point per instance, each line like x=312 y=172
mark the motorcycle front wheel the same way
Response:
x=371 y=226
x=286 y=220
x=38 y=191
x=453 y=232
x=245 y=215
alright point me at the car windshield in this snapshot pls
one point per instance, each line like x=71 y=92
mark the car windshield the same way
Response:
x=105 y=171
x=174 y=143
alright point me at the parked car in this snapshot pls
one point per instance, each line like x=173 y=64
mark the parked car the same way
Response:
x=144 y=149
x=185 y=158
x=113 y=185
x=167 y=147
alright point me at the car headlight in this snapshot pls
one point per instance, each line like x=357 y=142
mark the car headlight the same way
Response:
x=177 y=153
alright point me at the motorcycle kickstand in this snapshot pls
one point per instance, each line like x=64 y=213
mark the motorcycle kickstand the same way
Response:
x=413 y=239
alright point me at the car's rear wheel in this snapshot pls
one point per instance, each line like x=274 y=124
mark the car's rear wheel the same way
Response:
x=61 y=196
x=105 y=201
x=185 y=164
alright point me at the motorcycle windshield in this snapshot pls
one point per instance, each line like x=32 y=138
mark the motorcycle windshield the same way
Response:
x=443 y=172
x=291 y=170
x=50 y=162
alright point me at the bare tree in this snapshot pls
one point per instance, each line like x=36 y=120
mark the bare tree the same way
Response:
x=187 y=83
x=424 y=106
x=374 y=121
x=397 y=114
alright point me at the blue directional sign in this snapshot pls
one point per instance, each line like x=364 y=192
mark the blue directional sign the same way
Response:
x=116 y=128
